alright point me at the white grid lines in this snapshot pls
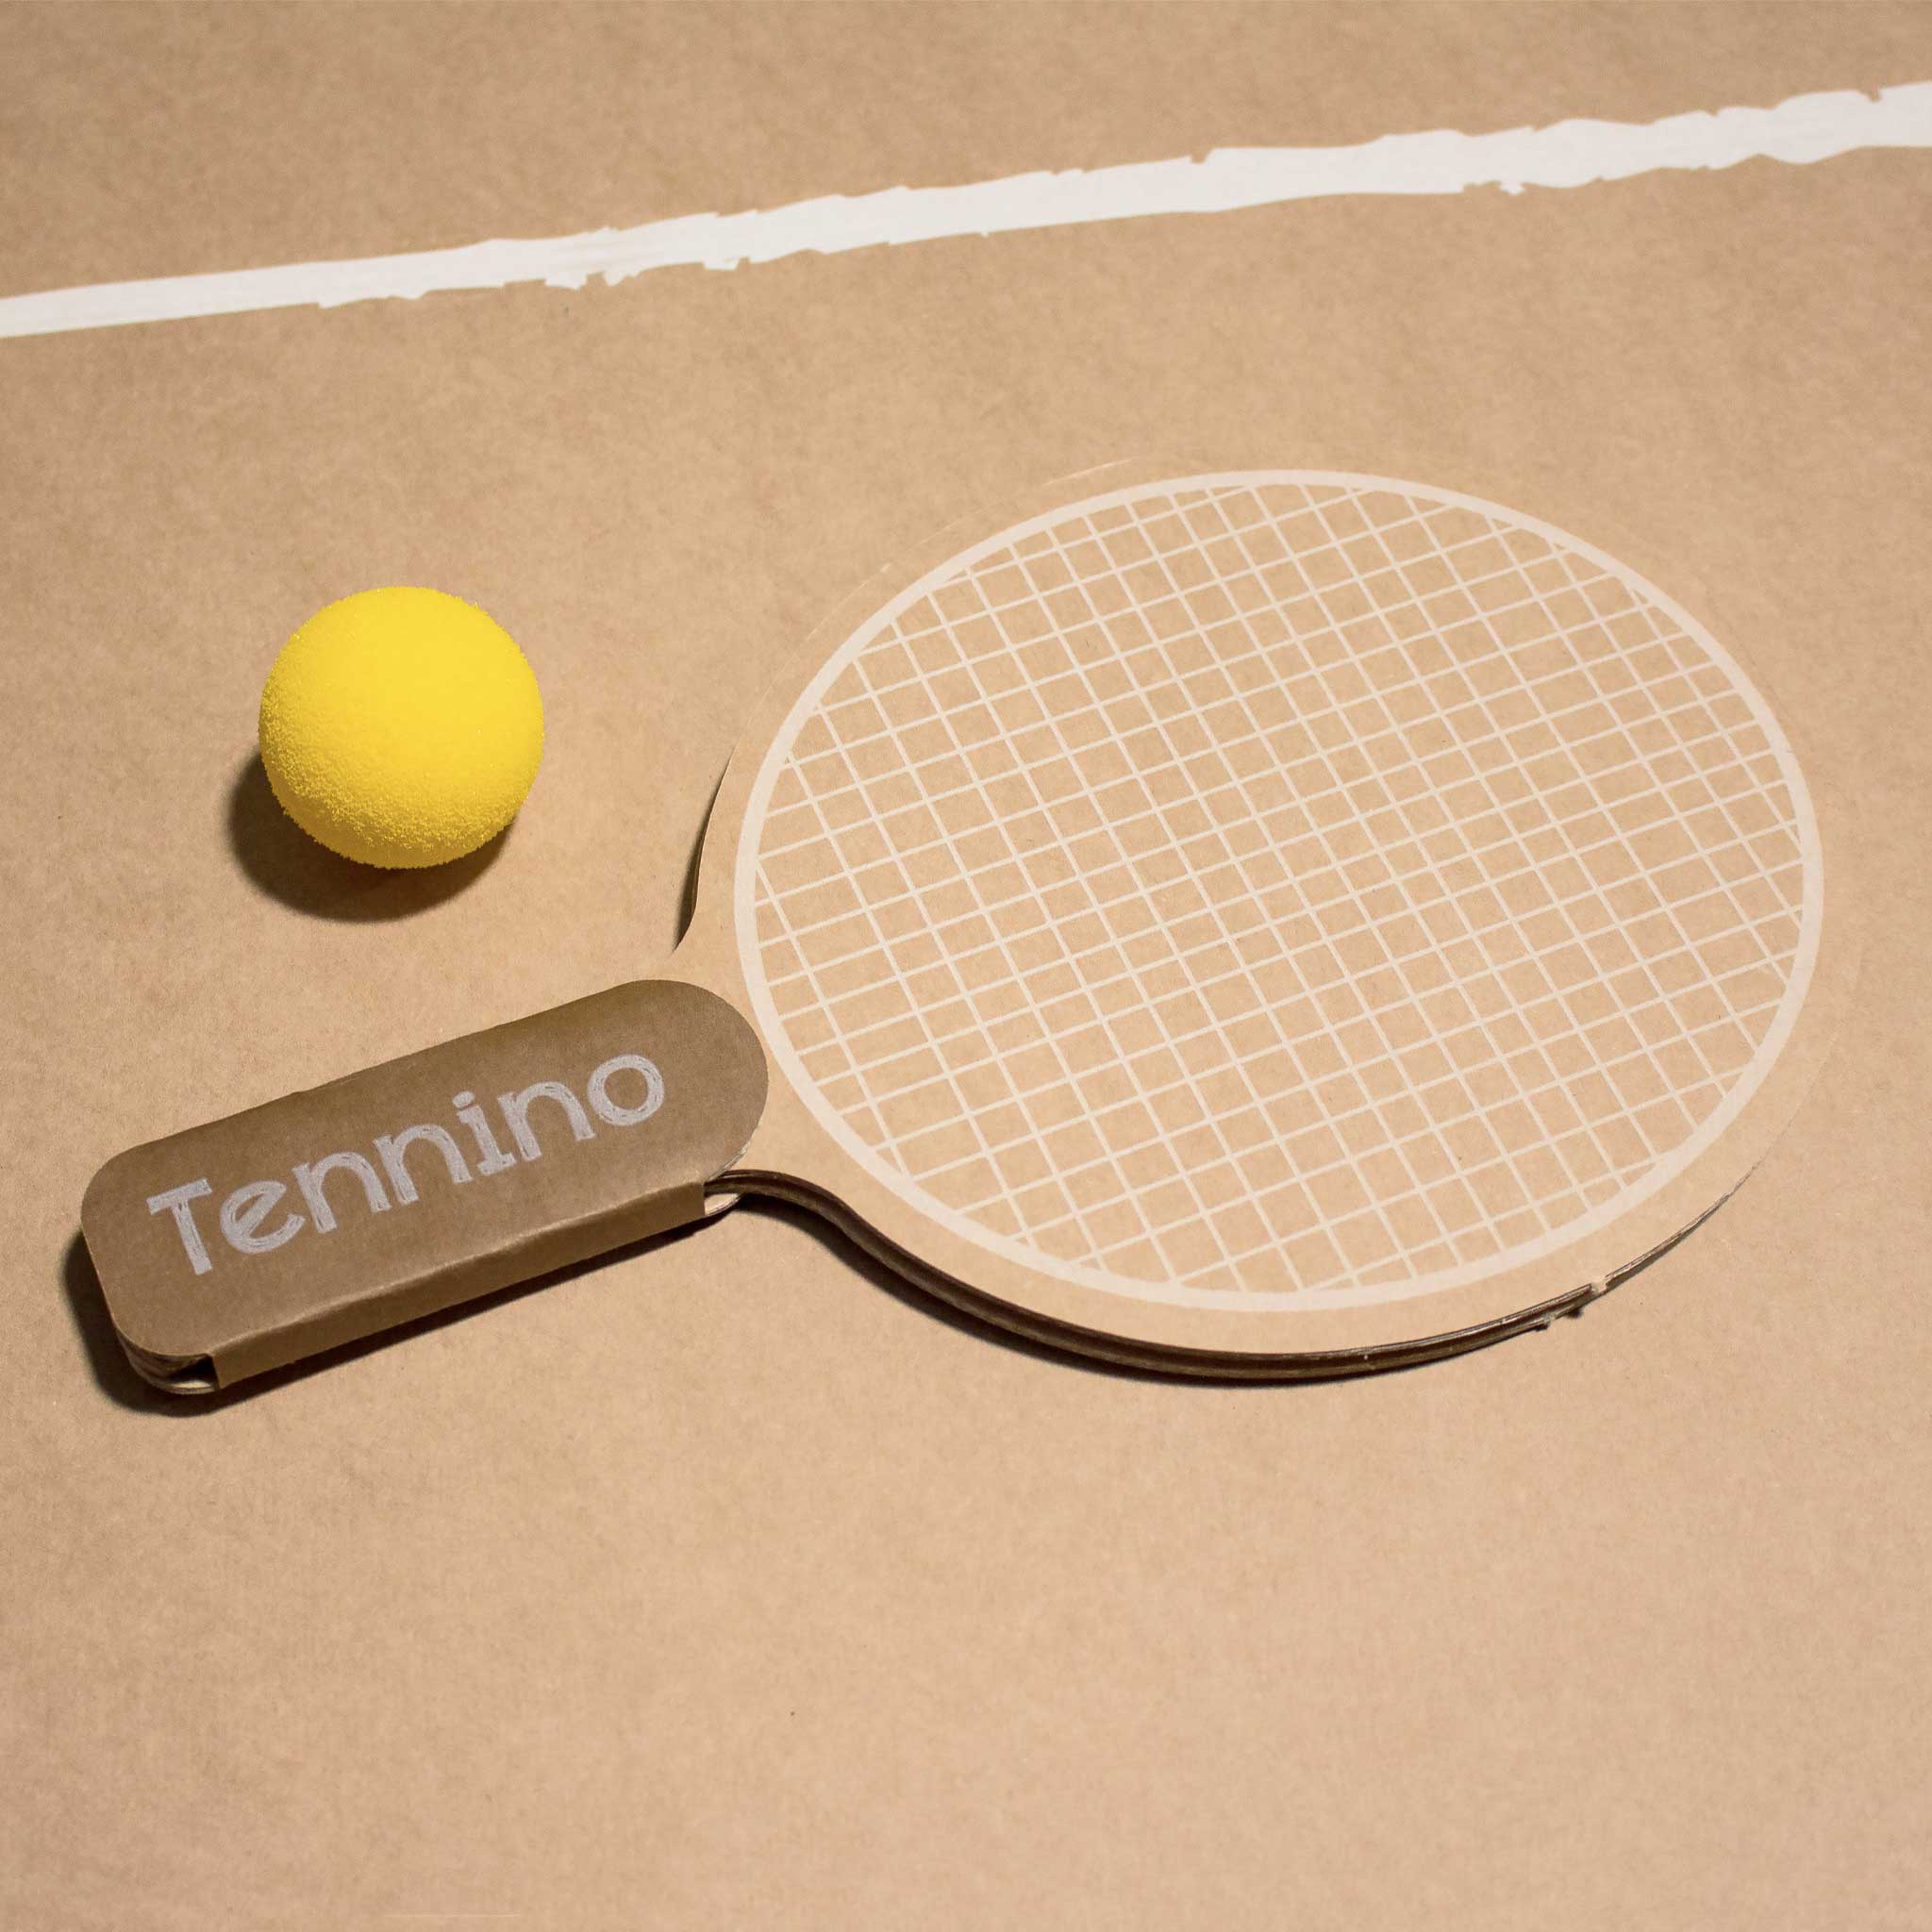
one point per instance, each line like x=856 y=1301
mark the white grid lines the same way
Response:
x=1277 y=889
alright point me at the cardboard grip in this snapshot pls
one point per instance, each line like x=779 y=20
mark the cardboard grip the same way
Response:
x=335 y=1213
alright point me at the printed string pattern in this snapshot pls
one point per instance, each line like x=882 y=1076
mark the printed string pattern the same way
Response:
x=1281 y=888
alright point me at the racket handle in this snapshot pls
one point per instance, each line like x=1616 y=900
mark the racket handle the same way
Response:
x=335 y=1213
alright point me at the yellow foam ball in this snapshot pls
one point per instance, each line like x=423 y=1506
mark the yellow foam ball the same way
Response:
x=401 y=727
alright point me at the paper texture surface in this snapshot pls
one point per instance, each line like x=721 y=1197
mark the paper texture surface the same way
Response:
x=729 y=1584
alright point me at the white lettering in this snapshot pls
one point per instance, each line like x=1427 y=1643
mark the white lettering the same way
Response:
x=175 y=1201
x=245 y=1214
x=309 y=1177
x=391 y=1149
x=516 y=1110
x=615 y=1111
x=493 y=1158
x=245 y=1209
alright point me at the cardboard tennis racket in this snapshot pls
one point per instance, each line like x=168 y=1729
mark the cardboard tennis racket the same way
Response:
x=1264 y=923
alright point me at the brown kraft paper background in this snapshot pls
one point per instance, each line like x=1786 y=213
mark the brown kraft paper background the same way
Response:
x=733 y=1583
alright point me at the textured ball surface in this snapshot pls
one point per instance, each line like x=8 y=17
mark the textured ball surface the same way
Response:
x=401 y=727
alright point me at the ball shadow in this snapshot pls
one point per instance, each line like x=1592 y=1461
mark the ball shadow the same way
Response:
x=282 y=861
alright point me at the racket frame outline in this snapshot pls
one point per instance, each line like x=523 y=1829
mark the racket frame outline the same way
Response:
x=795 y=1155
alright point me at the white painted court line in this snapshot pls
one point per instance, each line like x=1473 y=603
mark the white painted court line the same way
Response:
x=1569 y=153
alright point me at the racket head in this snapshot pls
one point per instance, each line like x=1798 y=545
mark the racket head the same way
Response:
x=1270 y=921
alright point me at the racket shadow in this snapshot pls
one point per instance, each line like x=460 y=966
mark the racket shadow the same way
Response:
x=879 y=1274
x=115 y=1377
x=935 y=1305
x=117 y=1380
x=688 y=891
